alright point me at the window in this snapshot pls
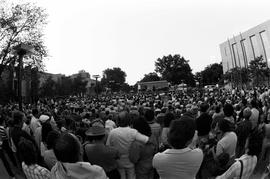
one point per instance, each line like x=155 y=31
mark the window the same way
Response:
x=243 y=47
x=266 y=46
x=235 y=55
x=255 y=46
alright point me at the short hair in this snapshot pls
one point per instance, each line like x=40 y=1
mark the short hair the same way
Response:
x=228 y=110
x=67 y=148
x=204 y=107
x=254 y=103
x=217 y=109
x=35 y=111
x=142 y=126
x=27 y=151
x=181 y=131
x=149 y=115
x=225 y=125
x=46 y=128
x=168 y=118
x=98 y=138
x=123 y=119
x=52 y=138
x=17 y=117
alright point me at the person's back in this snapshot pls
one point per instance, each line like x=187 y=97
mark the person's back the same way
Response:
x=97 y=153
x=29 y=156
x=70 y=166
x=142 y=154
x=121 y=138
x=155 y=127
x=180 y=161
x=203 y=123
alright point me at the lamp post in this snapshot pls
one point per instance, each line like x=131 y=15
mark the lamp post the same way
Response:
x=21 y=50
x=96 y=77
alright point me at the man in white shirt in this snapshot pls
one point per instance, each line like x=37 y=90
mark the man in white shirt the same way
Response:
x=255 y=114
x=34 y=123
x=121 y=138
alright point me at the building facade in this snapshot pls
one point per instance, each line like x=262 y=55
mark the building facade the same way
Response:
x=239 y=50
x=151 y=85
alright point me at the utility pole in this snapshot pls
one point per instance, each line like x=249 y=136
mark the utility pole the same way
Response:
x=21 y=51
x=96 y=77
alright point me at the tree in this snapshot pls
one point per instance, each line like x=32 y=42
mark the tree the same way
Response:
x=21 y=23
x=151 y=77
x=79 y=85
x=258 y=70
x=34 y=84
x=113 y=78
x=237 y=76
x=175 y=69
x=212 y=74
x=126 y=88
x=48 y=89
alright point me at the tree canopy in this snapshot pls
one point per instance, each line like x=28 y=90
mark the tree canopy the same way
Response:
x=175 y=69
x=21 y=23
x=151 y=77
x=113 y=78
x=212 y=74
x=258 y=69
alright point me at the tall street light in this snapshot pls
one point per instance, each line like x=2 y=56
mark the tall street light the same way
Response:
x=21 y=50
x=96 y=77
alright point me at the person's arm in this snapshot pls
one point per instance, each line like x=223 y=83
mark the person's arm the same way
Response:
x=108 y=142
x=141 y=138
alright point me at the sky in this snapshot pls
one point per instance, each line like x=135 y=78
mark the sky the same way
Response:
x=132 y=34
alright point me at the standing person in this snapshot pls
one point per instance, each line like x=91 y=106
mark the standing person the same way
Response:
x=155 y=127
x=49 y=156
x=228 y=141
x=245 y=165
x=3 y=139
x=243 y=131
x=97 y=153
x=142 y=154
x=68 y=152
x=16 y=132
x=34 y=123
x=254 y=118
x=180 y=161
x=169 y=117
x=203 y=124
x=29 y=156
x=121 y=138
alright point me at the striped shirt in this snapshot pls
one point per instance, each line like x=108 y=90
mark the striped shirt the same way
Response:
x=249 y=163
x=3 y=133
x=35 y=172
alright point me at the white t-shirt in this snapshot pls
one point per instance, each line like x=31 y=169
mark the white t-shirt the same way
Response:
x=227 y=144
x=121 y=138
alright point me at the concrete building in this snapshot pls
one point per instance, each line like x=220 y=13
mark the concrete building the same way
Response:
x=149 y=86
x=239 y=50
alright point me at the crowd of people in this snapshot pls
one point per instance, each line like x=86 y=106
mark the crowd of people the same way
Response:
x=196 y=134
